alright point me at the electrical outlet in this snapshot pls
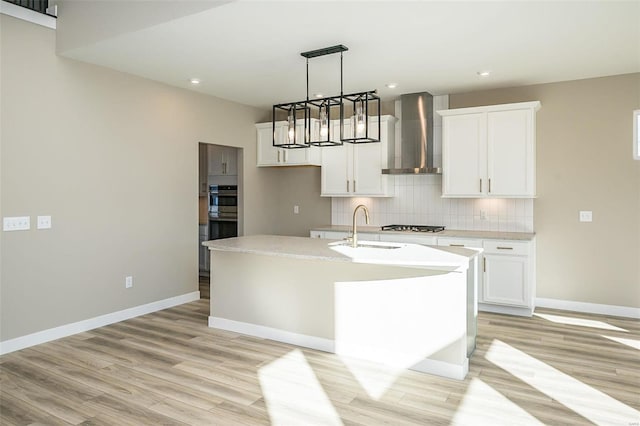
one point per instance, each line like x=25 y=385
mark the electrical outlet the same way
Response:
x=128 y=282
x=586 y=216
x=483 y=215
x=296 y=209
x=44 y=222
x=18 y=223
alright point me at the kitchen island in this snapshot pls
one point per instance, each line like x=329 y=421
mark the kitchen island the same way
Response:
x=403 y=305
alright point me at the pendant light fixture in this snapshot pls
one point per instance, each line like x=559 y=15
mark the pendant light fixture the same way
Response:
x=302 y=124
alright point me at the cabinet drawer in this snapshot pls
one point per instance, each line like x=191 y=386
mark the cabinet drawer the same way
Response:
x=459 y=242
x=506 y=247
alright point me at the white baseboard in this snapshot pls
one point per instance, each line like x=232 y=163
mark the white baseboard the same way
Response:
x=430 y=366
x=591 y=308
x=44 y=336
x=441 y=368
x=503 y=309
x=313 y=342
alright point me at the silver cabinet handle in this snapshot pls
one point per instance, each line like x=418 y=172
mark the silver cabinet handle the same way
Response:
x=504 y=248
x=278 y=156
x=285 y=154
x=489 y=185
x=456 y=245
x=347 y=185
x=354 y=186
x=480 y=185
x=484 y=264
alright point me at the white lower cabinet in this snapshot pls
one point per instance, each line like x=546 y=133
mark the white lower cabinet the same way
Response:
x=506 y=280
x=509 y=277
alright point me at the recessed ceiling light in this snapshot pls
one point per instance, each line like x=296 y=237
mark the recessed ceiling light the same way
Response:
x=194 y=80
x=484 y=73
x=318 y=95
x=391 y=85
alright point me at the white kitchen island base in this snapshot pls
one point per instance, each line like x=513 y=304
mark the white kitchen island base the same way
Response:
x=401 y=316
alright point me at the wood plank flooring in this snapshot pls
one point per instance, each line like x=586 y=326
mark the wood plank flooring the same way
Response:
x=169 y=368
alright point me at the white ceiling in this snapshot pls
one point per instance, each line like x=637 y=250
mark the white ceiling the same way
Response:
x=249 y=51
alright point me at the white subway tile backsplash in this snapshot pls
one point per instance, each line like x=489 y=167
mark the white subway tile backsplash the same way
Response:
x=419 y=201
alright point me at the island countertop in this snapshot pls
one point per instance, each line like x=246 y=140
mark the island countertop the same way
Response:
x=408 y=255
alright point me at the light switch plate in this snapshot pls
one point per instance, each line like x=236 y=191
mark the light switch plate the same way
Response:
x=44 y=222
x=17 y=223
x=586 y=216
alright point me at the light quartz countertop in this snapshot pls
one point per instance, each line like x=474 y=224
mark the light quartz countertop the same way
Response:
x=449 y=233
x=407 y=255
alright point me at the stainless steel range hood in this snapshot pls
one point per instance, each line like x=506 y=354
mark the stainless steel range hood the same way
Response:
x=415 y=154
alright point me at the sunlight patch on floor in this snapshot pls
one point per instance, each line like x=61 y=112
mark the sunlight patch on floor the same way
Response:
x=588 y=402
x=579 y=321
x=374 y=378
x=293 y=394
x=484 y=405
x=635 y=344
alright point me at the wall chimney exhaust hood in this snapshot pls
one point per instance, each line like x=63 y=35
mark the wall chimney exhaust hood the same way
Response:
x=415 y=154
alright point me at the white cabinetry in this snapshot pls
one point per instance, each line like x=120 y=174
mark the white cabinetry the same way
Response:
x=489 y=151
x=356 y=169
x=223 y=160
x=269 y=155
x=509 y=276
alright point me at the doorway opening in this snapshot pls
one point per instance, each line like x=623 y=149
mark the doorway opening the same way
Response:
x=219 y=201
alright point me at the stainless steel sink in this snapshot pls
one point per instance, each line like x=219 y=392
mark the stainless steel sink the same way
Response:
x=368 y=244
x=384 y=247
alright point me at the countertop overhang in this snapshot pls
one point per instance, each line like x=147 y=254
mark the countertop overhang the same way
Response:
x=408 y=255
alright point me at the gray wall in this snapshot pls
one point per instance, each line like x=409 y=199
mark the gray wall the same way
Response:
x=584 y=162
x=113 y=159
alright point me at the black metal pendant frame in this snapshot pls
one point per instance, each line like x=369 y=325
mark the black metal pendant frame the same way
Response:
x=298 y=111
x=313 y=132
x=369 y=134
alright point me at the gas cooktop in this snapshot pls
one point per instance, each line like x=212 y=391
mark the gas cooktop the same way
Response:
x=413 y=228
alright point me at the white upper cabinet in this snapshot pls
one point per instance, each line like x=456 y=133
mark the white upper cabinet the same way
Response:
x=223 y=160
x=269 y=155
x=489 y=151
x=353 y=170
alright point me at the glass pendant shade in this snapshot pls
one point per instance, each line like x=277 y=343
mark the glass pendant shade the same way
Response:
x=360 y=118
x=323 y=112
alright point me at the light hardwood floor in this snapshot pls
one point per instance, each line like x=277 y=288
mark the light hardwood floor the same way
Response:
x=169 y=368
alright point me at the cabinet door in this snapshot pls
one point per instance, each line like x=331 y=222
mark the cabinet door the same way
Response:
x=267 y=154
x=337 y=167
x=230 y=160
x=367 y=169
x=203 y=170
x=505 y=280
x=368 y=161
x=215 y=160
x=464 y=156
x=335 y=173
x=511 y=156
